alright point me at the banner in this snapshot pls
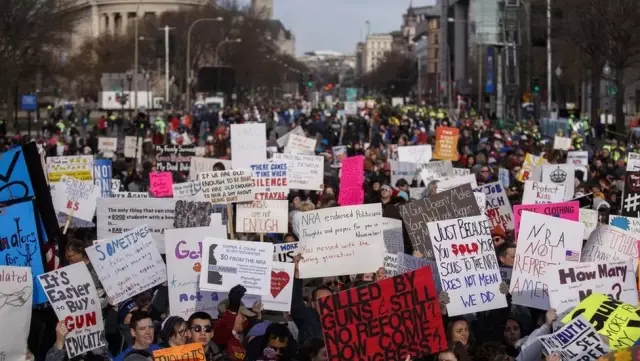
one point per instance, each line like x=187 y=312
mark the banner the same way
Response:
x=351 y=179
x=128 y=265
x=304 y=171
x=76 y=198
x=284 y=252
x=248 y=145
x=188 y=352
x=540 y=193
x=16 y=284
x=631 y=195
x=446 y=143
x=341 y=241
x=279 y=297
x=74 y=298
x=542 y=241
x=263 y=217
x=577 y=340
x=467 y=264
x=174 y=158
x=200 y=165
x=566 y=210
x=102 y=176
x=415 y=154
x=457 y=202
x=498 y=210
x=298 y=144
x=270 y=181
x=229 y=263
x=79 y=167
x=387 y=320
x=609 y=243
x=227 y=186
x=563 y=174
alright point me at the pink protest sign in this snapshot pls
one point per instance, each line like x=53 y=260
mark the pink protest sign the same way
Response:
x=351 y=179
x=161 y=184
x=566 y=210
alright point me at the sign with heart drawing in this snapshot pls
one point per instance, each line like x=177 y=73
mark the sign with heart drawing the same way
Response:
x=281 y=288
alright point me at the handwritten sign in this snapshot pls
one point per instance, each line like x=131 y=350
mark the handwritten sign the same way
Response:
x=102 y=176
x=341 y=241
x=108 y=145
x=461 y=171
x=15 y=313
x=79 y=167
x=448 y=183
x=563 y=143
x=577 y=340
x=161 y=184
x=391 y=265
x=283 y=140
x=263 y=217
x=228 y=263
x=351 y=179
x=189 y=352
x=284 y=252
x=298 y=144
x=227 y=186
x=467 y=264
x=270 y=181
x=561 y=174
x=403 y=170
x=542 y=241
x=566 y=210
x=446 y=143
x=248 y=145
x=304 y=171
x=609 y=243
x=188 y=190
x=133 y=147
x=76 y=198
x=437 y=170
x=200 y=165
x=175 y=158
x=540 y=193
x=74 y=298
x=633 y=162
x=630 y=224
x=498 y=206
x=129 y=264
x=415 y=154
x=528 y=167
x=279 y=297
x=457 y=202
x=589 y=217
x=417 y=329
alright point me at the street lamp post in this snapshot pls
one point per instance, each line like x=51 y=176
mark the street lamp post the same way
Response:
x=188 y=65
x=225 y=41
x=129 y=80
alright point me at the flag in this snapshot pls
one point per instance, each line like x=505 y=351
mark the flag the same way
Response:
x=572 y=256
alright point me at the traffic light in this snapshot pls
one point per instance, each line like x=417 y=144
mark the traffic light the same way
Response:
x=535 y=86
x=310 y=82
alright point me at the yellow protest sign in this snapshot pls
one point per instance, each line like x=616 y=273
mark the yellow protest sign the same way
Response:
x=190 y=352
x=530 y=163
x=618 y=321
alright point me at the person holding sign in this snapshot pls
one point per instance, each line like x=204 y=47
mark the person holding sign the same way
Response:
x=58 y=353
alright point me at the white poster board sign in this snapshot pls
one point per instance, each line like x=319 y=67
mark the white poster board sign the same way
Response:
x=304 y=172
x=188 y=190
x=16 y=284
x=633 y=162
x=279 y=297
x=282 y=141
x=415 y=154
x=608 y=243
x=562 y=143
x=263 y=217
x=540 y=193
x=130 y=147
x=298 y=144
x=589 y=217
x=76 y=198
x=227 y=186
x=452 y=182
x=248 y=144
x=437 y=170
x=403 y=170
x=108 y=145
x=270 y=181
x=200 y=165
x=284 y=252
x=560 y=174
x=577 y=340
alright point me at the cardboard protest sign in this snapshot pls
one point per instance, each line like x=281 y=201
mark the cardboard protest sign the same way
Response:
x=283 y=140
x=454 y=203
x=446 y=143
x=448 y=183
x=270 y=181
x=542 y=241
x=607 y=243
x=74 y=298
x=562 y=143
x=263 y=217
x=341 y=241
x=133 y=147
x=631 y=195
x=630 y=224
x=412 y=327
x=391 y=265
x=184 y=264
x=403 y=170
x=415 y=154
x=129 y=264
x=284 y=252
x=351 y=179
x=570 y=283
x=304 y=171
x=102 y=176
x=566 y=210
x=16 y=284
x=563 y=174
x=577 y=340
x=174 y=158
x=108 y=145
x=499 y=210
x=633 y=162
x=228 y=263
x=531 y=162
x=467 y=264
x=76 y=198
x=618 y=321
x=199 y=165
x=248 y=144
x=437 y=170
x=279 y=297
x=188 y=190
x=79 y=167
x=589 y=217
x=227 y=186
x=298 y=144
x=161 y=184
x=540 y=193
x=392 y=235
x=188 y=352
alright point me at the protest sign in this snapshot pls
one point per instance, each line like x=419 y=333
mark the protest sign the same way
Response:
x=566 y=210
x=16 y=284
x=560 y=174
x=76 y=198
x=248 y=145
x=284 y=252
x=279 y=297
x=108 y=146
x=79 y=167
x=188 y=190
x=407 y=263
x=130 y=148
x=351 y=179
x=392 y=235
x=589 y=217
x=189 y=214
x=403 y=170
x=454 y=203
x=633 y=162
x=229 y=263
x=227 y=186
x=542 y=241
x=130 y=195
x=452 y=182
x=339 y=153
x=200 y=165
x=391 y=265
x=341 y=241
x=630 y=224
x=570 y=283
x=580 y=159
x=618 y=321
x=417 y=192
x=461 y=171
x=282 y=141
x=188 y=352
x=607 y=243
x=467 y=264
x=299 y=144
x=129 y=264
x=446 y=143
x=528 y=167
x=562 y=143
x=412 y=327
x=540 y=193
x=631 y=195
x=499 y=210
x=504 y=177
x=415 y=154
x=435 y=171
x=263 y=217
x=174 y=158
x=304 y=171
x=74 y=298
x=184 y=263
x=161 y=184
x=102 y=176
x=481 y=199
x=577 y=340
x=115 y=185
x=270 y=181
x=505 y=273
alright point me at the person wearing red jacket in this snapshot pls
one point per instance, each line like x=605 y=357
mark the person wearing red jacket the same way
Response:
x=230 y=326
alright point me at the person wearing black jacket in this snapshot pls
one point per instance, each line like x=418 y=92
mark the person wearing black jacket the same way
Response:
x=307 y=319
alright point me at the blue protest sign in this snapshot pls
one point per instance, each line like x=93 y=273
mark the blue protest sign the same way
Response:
x=15 y=182
x=102 y=176
x=20 y=244
x=29 y=103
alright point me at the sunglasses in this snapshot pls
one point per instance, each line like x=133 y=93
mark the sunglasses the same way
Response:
x=198 y=328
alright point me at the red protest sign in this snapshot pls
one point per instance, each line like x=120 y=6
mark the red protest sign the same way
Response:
x=386 y=320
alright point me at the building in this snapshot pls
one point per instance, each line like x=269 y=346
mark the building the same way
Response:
x=262 y=9
x=360 y=58
x=375 y=48
x=283 y=39
x=424 y=26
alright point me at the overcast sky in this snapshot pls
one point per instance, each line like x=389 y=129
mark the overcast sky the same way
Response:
x=339 y=24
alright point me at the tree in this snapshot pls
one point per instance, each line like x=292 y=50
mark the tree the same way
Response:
x=395 y=76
